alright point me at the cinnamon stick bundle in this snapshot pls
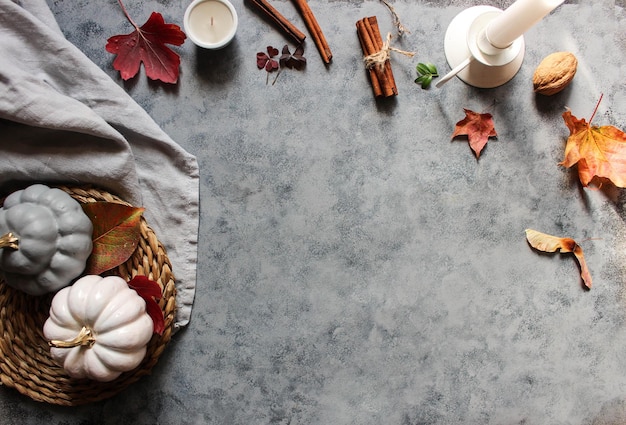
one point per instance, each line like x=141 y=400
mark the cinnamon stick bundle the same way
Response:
x=314 y=29
x=281 y=22
x=383 y=82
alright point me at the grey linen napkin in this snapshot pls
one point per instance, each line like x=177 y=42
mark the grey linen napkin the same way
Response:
x=63 y=120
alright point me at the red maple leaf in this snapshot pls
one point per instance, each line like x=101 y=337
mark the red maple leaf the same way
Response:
x=147 y=44
x=477 y=127
x=149 y=290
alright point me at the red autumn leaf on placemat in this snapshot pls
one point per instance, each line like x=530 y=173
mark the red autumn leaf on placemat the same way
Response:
x=116 y=233
x=147 y=44
x=149 y=290
x=598 y=151
x=548 y=243
x=477 y=127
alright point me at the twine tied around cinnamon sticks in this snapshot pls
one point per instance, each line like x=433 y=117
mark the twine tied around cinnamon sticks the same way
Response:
x=376 y=56
x=379 y=58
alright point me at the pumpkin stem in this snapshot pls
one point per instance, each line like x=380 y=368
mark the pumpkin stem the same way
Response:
x=9 y=241
x=84 y=337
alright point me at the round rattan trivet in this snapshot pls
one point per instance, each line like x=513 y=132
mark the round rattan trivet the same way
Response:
x=25 y=362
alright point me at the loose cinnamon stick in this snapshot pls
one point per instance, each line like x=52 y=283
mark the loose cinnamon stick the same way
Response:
x=283 y=23
x=383 y=82
x=314 y=29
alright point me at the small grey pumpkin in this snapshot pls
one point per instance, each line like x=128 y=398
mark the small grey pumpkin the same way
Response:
x=46 y=239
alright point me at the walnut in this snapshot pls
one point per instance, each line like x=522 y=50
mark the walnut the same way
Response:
x=554 y=73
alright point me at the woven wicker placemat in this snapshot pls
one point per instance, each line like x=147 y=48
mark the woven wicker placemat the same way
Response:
x=25 y=362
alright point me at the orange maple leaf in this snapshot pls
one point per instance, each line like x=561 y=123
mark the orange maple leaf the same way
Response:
x=548 y=243
x=598 y=151
x=477 y=127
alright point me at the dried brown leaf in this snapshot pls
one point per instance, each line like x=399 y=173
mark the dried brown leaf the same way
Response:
x=477 y=127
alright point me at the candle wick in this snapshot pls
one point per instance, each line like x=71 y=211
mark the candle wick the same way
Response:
x=211 y=20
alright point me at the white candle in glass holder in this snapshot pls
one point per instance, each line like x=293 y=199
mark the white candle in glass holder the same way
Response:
x=210 y=23
x=517 y=19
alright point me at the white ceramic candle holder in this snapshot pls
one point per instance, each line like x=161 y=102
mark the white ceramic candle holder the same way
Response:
x=210 y=24
x=472 y=57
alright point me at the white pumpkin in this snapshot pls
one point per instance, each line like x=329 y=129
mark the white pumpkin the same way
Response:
x=98 y=328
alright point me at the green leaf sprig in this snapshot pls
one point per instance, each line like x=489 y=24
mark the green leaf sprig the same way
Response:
x=425 y=74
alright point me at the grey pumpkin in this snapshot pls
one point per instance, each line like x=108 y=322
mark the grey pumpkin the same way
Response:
x=46 y=240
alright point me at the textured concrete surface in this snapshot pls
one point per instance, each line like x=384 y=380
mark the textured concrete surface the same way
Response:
x=357 y=266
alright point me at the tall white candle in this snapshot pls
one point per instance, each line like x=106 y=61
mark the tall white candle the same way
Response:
x=517 y=19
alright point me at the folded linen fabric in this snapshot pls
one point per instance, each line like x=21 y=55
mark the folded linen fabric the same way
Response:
x=63 y=120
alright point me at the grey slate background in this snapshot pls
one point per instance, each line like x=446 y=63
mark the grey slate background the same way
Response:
x=356 y=265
